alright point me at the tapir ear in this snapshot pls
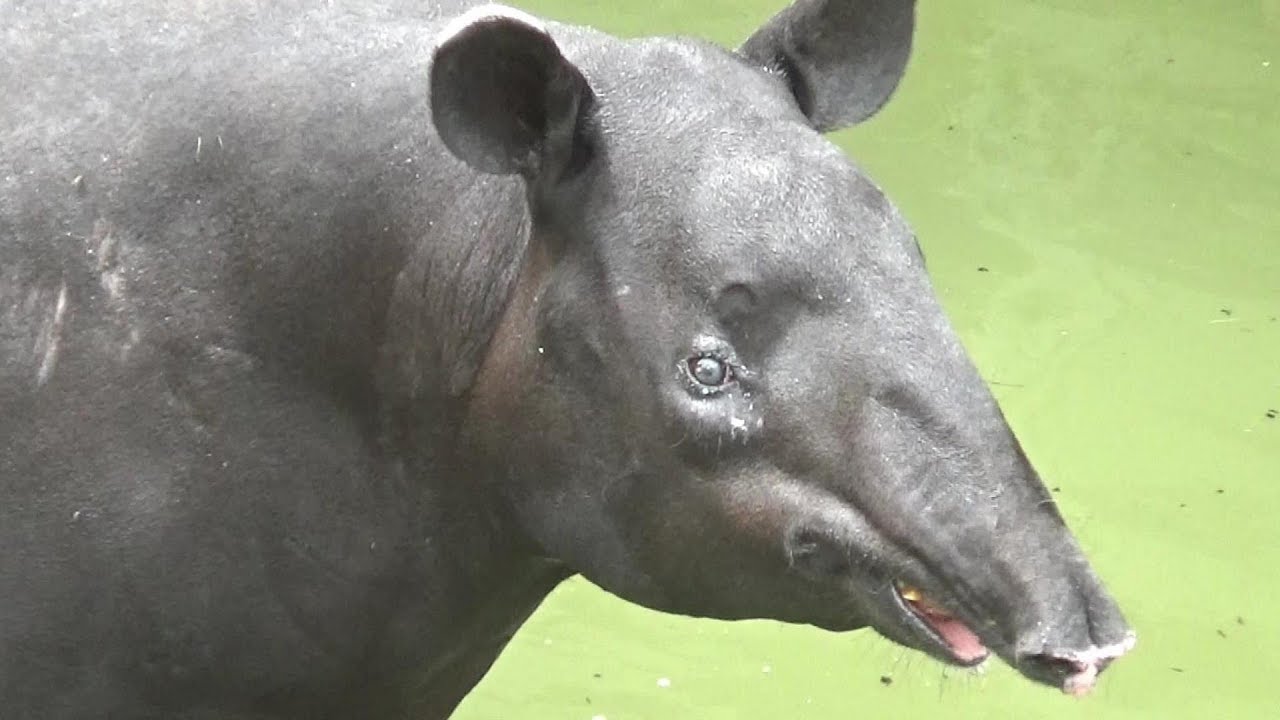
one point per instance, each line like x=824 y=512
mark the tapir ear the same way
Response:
x=842 y=58
x=503 y=98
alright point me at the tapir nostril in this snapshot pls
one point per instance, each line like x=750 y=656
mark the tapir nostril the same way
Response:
x=1053 y=668
x=815 y=552
x=1075 y=672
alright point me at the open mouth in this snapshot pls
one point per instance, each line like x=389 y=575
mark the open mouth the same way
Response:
x=950 y=633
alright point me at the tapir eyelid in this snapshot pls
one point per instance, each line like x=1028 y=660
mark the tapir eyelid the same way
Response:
x=702 y=388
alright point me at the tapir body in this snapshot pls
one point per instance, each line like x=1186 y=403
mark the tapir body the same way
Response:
x=334 y=335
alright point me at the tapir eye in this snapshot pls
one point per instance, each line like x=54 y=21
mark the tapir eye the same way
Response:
x=709 y=371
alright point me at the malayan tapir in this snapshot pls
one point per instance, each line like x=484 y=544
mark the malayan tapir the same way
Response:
x=334 y=335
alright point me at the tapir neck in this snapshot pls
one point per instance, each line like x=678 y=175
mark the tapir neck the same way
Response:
x=451 y=300
x=475 y=612
x=467 y=582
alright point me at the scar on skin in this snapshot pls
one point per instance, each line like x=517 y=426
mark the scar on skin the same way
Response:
x=51 y=337
x=110 y=274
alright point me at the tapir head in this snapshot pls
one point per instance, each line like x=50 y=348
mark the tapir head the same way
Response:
x=723 y=385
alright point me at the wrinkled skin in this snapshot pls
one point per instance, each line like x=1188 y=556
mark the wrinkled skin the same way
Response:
x=330 y=348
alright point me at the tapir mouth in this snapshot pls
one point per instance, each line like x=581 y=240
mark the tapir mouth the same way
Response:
x=953 y=639
x=948 y=638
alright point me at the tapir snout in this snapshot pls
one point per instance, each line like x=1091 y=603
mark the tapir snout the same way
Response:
x=932 y=500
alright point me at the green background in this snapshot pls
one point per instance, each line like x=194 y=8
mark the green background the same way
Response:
x=1116 y=168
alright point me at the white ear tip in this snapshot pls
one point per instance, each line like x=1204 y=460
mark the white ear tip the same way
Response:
x=484 y=13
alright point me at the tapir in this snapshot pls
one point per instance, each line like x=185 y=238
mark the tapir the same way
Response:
x=334 y=335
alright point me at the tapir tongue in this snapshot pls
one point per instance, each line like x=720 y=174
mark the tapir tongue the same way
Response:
x=963 y=642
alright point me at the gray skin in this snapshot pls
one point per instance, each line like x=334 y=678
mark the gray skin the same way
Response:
x=332 y=338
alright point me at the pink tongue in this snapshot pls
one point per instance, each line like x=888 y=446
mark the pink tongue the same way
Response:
x=966 y=646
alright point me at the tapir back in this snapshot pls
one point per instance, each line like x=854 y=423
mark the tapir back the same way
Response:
x=245 y=172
